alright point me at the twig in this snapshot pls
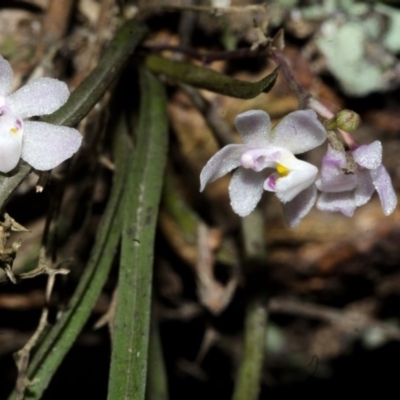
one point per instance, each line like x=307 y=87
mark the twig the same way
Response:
x=55 y=24
x=212 y=293
x=349 y=320
x=22 y=356
x=217 y=124
x=109 y=316
x=217 y=11
x=208 y=58
x=186 y=24
x=8 y=253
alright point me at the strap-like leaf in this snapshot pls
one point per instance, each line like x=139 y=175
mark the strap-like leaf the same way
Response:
x=206 y=78
x=141 y=202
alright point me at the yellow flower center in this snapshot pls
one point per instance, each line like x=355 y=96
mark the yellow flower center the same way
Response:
x=282 y=171
x=14 y=131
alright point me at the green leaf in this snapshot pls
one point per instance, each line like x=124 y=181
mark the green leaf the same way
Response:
x=85 y=97
x=144 y=184
x=206 y=78
x=63 y=334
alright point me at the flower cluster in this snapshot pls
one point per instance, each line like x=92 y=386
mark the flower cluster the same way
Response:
x=42 y=145
x=295 y=181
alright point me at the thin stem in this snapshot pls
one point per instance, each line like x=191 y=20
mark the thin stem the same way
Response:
x=304 y=97
x=299 y=90
x=249 y=376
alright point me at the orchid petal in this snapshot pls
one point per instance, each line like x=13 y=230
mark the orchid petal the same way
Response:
x=10 y=151
x=261 y=158
x=294 y=211
x=337 y=202
x=299 y=132
x=11 y=133
x=299 y=177
x=221 y=163
x=384 y=187
x=40 y=96
x=333 y=179
x=364 y=189
x=6 y=76
x=245 y=190
x=254 y=127
x=46 y=145
x=369 y=156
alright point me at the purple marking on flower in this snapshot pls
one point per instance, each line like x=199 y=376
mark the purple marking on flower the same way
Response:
x=264 y=148
x=271 y=183
x=331 y=162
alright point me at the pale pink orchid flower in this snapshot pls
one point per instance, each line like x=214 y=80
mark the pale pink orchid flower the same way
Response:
x=262 y=149
x=40 y=144
x=343 y=192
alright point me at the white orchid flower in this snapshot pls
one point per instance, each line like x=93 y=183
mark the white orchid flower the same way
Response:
x=263 y=148
x=42 y=145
